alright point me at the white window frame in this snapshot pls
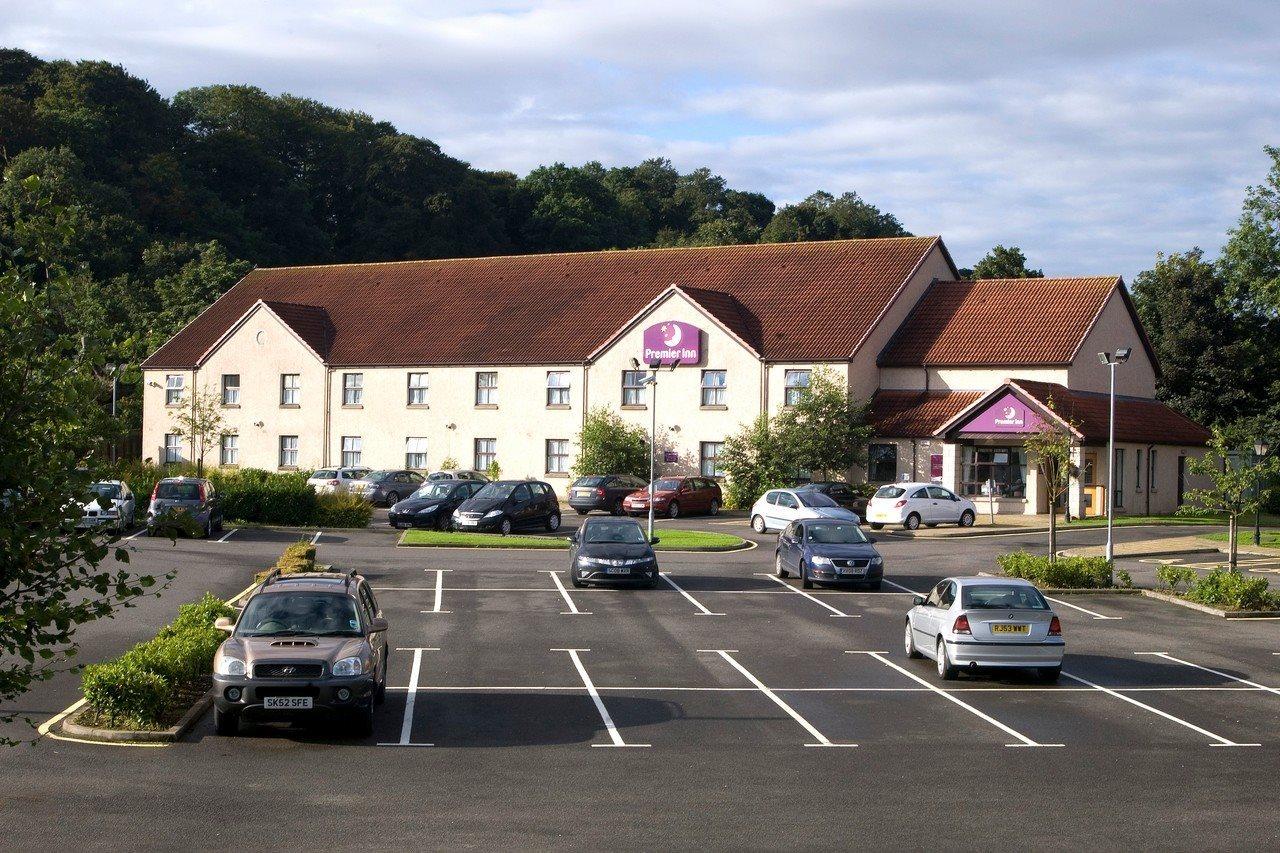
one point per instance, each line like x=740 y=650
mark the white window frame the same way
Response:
x=352 y=450
x=172 y=448
x=637 y=390
x=558 y=387
x=1153 y=466
x=230 y=392
x=792 y=386
x=174 y=385
x=714 y=458
x=353 y=389
x=415 y=452
x=288 y=451
x=557 y=456
x=486 y=387
x=229 y=449
x=419 y=384
x=715 y=394
x=290 y=394
x=484 y=456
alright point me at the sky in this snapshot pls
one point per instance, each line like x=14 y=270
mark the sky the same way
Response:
x=1091 y=134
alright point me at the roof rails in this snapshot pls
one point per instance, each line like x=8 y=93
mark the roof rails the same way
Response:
x=272 y=575
x=350 y=577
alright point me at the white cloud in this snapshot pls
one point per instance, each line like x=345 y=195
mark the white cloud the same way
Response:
x=1093 y=133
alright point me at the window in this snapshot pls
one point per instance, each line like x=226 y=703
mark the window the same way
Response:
x=786 y=500
x=173 y=384
x=795 y=383
x=352 y=389
x=486 y=388
x=231 y=389
x=290 y=385
x=711 y=459
x=415 y=452
x=1118 y=495
x=172 y=447
x=1137 y=470
x=557 y=388
x=288 y=451
x=633 y=387
x=230 y=451
x=1005 y=466
x=557 y=456
x=418 y=389
x=486 y=453
x=882 y=463
x=1152 y=459
x=713 y=387
x=352 y=449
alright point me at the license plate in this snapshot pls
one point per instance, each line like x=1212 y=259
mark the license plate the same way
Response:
x=853 y=571
x=468 y=522
x=1011 y=629
x=617 y=570
x=582 y=493
x=286 y=703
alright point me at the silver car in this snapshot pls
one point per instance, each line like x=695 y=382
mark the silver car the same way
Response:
x=329 y=481
x=111 y=503
x=190 y=503
x=966 y=623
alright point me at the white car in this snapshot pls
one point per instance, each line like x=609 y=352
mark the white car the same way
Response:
x=112 y=504
x=335 y=480
x=914 y=504
x=777 y=508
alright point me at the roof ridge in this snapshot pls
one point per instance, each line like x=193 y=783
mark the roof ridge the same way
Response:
x=1110 y=279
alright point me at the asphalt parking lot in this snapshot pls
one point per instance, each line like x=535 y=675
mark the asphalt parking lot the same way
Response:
x=725 y=709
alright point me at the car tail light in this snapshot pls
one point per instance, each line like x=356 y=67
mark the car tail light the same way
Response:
x=599 y=493
x=155 y=490
x=333 y=482
x=961 y=626
x=201 y=491
x=1055 y=627
x=900 y=504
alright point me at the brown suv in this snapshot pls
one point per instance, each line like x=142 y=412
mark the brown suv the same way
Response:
x=306 y=643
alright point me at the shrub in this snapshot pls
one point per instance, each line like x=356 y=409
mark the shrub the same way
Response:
x=608 y=444
x=298 y=557
x=247 y=494
x=180 y=657
x=1063 y=573
x=197 y=615
x=1232 y=590
x=1174 y=576
x=449 y=463
x=126 y=693
x=342 y=510
x=752 y=459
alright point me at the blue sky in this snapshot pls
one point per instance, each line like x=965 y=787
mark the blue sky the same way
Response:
x=1092 y=134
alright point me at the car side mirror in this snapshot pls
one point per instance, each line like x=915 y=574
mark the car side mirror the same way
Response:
x=654 y=541
x=572 y=537
x=917 y=600
x=224 y=623
x=377 y=625
x=871 y=540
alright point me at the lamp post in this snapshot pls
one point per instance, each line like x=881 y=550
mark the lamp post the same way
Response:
x=1260 y=449
x=1121 y=356
x=651 y=381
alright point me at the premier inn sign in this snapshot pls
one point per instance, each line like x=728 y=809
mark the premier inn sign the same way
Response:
x=672 y=341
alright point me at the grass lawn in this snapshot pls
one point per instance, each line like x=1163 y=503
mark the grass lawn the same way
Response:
x=1270 y=538
x=671 y=540
x=1173 y=520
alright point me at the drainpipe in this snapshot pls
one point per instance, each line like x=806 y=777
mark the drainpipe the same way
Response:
x=1150 y=479
x=586 y=377
x=328 y=399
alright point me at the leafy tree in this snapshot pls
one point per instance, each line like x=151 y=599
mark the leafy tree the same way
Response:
x=609 y=445
x=1002 y=262
x=1239 y=482
x=822 y=216
x=826 y=430
x=1251 y=256
x=754 y=461
x=199 y=422
x=1049 y=446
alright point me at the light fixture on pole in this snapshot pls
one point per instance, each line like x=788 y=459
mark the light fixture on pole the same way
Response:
x=1120 y=357
x=651 y=381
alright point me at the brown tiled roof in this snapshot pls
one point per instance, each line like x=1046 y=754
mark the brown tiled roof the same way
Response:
x=1138 y=419
x=1015 y=321
x=805 y=301
x=916 y=414
x=310 y=323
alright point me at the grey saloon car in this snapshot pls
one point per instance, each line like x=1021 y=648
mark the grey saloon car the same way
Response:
x=387 y=487
x=828 y=551
x=971 y=623
x=185 y=504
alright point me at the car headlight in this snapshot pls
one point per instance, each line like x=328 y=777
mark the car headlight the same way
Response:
x=231 y=666
x=348 y=666
x=825 y=562
x=493 y=513
x=877 y=561
x=428 y=509
x=591 y=561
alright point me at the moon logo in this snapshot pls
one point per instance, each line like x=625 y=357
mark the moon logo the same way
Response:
x=1010 y=413
x=674 y=340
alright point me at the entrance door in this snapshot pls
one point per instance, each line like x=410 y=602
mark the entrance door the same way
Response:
x=1182 y=477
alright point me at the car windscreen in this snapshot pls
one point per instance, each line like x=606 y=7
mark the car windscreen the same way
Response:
x=1002 y=596
x=107 y=491
x=890 y=492
x=495 y=491
x=835 y=534
x=620 y=532
x=324 y=475
x=378 y=476
x=281 y=614
x=665 y=485
x=435 y=490
x=589 y=481
x=811 y=498
x=178 y=491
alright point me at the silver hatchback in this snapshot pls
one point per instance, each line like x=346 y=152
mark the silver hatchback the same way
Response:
x=967 y=623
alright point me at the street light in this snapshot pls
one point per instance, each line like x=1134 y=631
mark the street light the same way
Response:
x=651 y=381
x=1121 y=356
x=1260 y=449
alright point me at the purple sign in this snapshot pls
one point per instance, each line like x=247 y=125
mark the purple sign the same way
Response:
x=1008 y=414
x=670 y=456
x=666 y=343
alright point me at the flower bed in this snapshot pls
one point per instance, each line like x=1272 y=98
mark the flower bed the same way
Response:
x=1221 y=588
x=1062 y=573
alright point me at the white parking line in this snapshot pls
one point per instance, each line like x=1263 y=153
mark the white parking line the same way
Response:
x=599 y=702
x=1221 y=741
x=776 y=699
x=573 y=608
x=132 y=536
x=702 y=611
x=315 y=540
x=229 y=534
x=439 y=590
x=406 y=726
x=900 y=586
x=1214 y=671
x=834 y=611
x=1081 y=609
x=1025 y=741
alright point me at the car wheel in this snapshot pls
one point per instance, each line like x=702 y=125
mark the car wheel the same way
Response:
x=617 y=507
x=757 y=524
x=226 y=723
x=966 y=518
x=777 y=567
x=393 y=498
x=1050 y=674
x=673 y=509
x=380 y=692
x=553 y=522
x=505 y=527
x=362 y=722
x=804 y=577
x=581 y=511
x=876 y=525
x=715 y=507
x=946 y=671
x=909 y=642
x=912 y=522
x=208 y=529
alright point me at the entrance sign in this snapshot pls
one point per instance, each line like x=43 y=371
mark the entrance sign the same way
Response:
x=670 y=456
x=666 y=343
x=1007 y=414
x=935 y=467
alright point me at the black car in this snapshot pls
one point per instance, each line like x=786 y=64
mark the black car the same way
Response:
x=602 y=491
x=505 y=505
x=433 y=504
x=841 y=493
x=828 y=551
x=387 y=487
x=609 y=550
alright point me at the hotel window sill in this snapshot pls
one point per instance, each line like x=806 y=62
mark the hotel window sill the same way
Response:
x=559 y=406
x=564 y=475
x=417 y=405
x=634 y=408
x=353 y=405
x=231 y=466
x=717 y=408
x=486 y=405
x=230 y=405
x=174 y=405
x=286 y=467
x=290 y=406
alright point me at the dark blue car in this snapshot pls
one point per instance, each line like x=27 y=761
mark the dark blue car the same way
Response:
x=828 y=551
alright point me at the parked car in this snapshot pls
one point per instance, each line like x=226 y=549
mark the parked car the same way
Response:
x=433 y=504
x=457 y=474
x=777 y=508
x=505 y=505
x=966 y=623
x=194 y=497
x=676 y=496
x=842 y=493
x=913 y=504
x=828 y=551
x=335 y=480
x=387 y=487
x=602 y=491
x=609 y=550
x=112 y=503
x=305 y=644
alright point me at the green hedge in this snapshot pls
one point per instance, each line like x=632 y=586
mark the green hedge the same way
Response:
x=342 y=510
x=1233 y=591
x=1062 y=573
x=125 y=694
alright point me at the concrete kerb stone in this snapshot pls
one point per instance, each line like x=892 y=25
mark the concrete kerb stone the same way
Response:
x=169 y=735
x=1213 y=611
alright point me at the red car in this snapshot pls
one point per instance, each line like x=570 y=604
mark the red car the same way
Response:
x=677 y=496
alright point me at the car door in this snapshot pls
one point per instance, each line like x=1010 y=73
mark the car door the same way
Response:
x=919 y=502
x=947 y=504
x=926 y=621
x=787 y=509
x=789 y=546
x=520 y=506
x=377 y=641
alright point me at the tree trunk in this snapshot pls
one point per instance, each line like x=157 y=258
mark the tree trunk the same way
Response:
x=1053 y=533
x=1233 y=534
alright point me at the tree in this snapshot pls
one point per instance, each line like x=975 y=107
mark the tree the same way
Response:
x=822 y=216
x=609 y=445
x=1049 y=445
x=826 y=430
x=1002 y=262
x=753 y=461
x=199 y=422
x=51 y=430
x=1251 y=257
x=1240 y=483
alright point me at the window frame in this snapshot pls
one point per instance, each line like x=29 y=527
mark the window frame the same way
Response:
x=172 y=449
x=873 y=462
x=716 y=473
x=410 y=454
x=490 y=391
x=234 y=449
x=714 y=396
x=971 y=482
x=352 y=451
x=491 y=453
x=638 y=389
x=290 y=395
x=790 y=388
x=423 y=390
x=549 y=456
x=353 y=389
x=229 y=398
x=174 y=386
x=558 y=395
x=287 y=444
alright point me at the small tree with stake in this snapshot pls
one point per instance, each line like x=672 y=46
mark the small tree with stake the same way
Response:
x=826 y=430
x=1049 y=445
x=1239 y=482
x=200 y=424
